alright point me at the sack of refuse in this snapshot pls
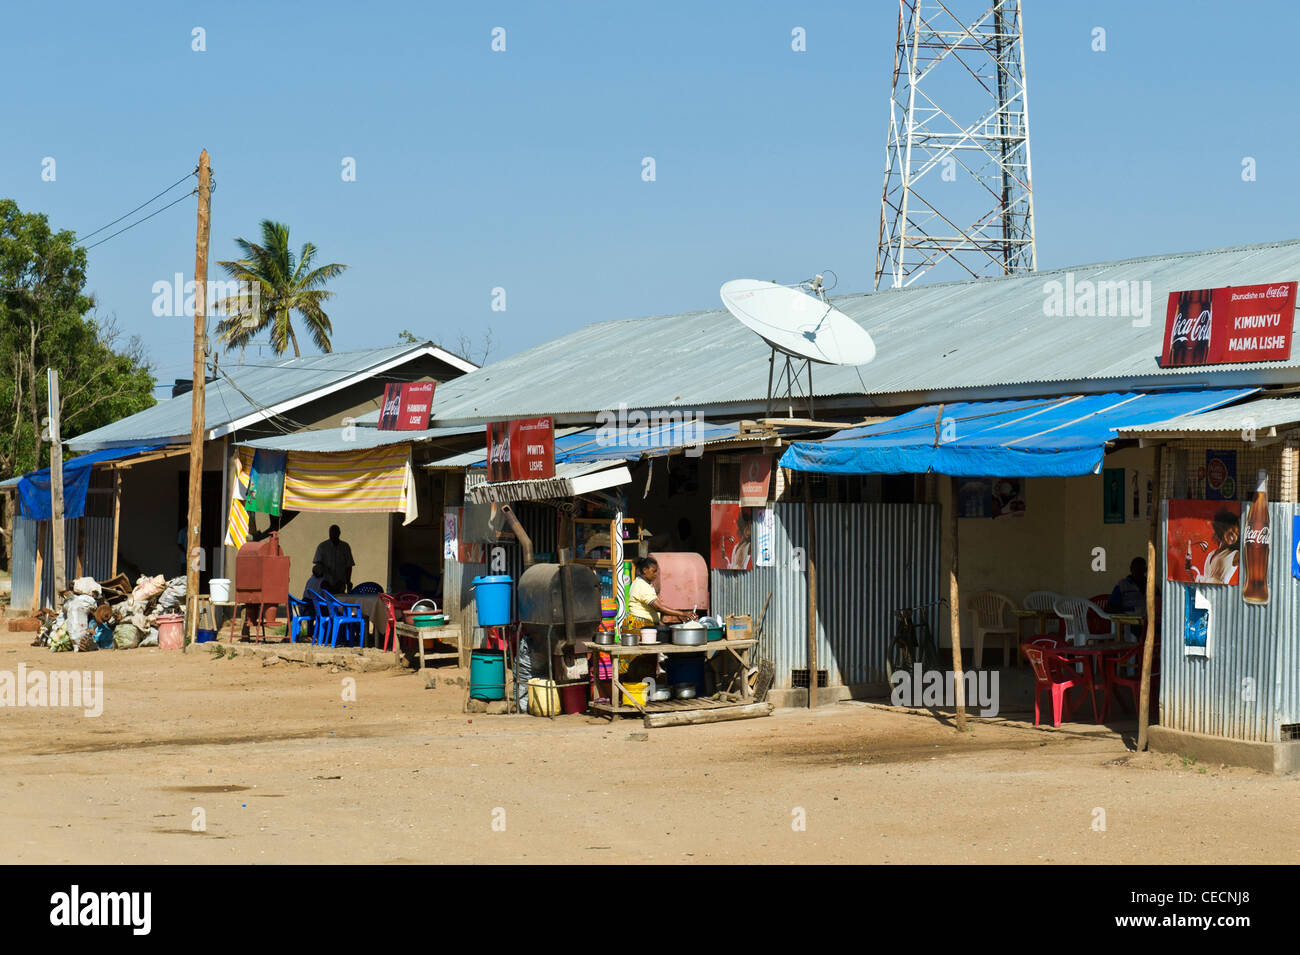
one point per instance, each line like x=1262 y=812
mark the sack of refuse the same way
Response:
x=126 y=637
x=150 y=638
x=60 y=642
x=146 y=588
x=86 y=585
x=78 y=611
x=86 y=644
x=173 y=595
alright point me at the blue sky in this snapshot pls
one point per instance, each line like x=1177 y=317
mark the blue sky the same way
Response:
x=522 y=169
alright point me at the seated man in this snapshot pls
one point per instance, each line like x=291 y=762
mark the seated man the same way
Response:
x=315 y=582
x=1130 y=594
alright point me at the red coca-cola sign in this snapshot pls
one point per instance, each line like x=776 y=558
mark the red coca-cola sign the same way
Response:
x=1221 y=326
x=406 y=407
x=521 y=450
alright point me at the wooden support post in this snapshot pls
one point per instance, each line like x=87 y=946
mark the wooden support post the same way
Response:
x=57 y=555
x=1149 y=642
x=812 y=590
x=40 y=565
x=198 y=411
x=117 y=516
x=954 y=610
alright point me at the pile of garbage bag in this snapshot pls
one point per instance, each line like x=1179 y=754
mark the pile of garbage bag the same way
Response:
x=110 y=614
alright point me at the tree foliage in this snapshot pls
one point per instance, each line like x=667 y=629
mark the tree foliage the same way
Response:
x=284 y=284
x=47 y=320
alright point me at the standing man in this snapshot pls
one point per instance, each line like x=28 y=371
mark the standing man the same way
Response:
x=336 y=557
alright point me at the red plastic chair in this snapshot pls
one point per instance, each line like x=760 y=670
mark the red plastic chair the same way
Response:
x=1111 y=666
x=406 y=599
x=390 y=633
x=1095 y=623
x=1054 y=673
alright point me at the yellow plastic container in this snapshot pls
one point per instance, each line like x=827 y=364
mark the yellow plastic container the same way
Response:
x=543 y=698
x=634 y=694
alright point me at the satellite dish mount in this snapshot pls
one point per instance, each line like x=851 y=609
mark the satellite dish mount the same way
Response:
x=802 y=328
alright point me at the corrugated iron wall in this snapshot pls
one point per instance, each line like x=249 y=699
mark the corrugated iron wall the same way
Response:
x=1249 y=686
x=23 y=563
x=871 y=560
x=539 y=521
x=97 y=561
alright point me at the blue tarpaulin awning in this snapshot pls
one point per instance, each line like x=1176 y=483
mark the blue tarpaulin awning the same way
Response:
x=1048 y=437
x=34 y=488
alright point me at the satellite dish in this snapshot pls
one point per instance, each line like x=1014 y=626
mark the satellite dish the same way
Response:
x=797 y=324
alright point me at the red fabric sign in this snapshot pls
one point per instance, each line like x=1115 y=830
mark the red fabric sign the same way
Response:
x=521 y=450
x=406 y=407
x=1228 y=325
x=755 y=477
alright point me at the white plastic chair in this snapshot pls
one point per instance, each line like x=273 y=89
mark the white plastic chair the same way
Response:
x=988 y=619
x=1074 y=612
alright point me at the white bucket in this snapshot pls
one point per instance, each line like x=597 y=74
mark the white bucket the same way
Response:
x=219 y=590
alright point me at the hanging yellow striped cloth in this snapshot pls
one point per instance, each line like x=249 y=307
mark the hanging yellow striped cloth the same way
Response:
x=378 y=479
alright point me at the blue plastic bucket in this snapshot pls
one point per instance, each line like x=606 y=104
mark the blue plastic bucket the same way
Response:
x=683 y=668
x=487 y=675
x=492 y=595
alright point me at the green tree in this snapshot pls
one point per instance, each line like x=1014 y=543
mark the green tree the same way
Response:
x=279 y=284
x=47 y=320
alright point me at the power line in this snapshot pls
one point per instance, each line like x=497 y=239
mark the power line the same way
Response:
x=138 y=221
x=136 y=209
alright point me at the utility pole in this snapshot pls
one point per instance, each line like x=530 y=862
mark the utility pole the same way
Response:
x=198 y=413
x=56 y=487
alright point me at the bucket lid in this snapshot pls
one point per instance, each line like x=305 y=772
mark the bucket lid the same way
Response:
x=493 y=579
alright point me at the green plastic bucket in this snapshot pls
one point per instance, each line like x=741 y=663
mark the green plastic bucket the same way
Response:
x=487 y=675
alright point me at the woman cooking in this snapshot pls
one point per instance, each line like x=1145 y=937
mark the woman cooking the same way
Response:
x=644 y=608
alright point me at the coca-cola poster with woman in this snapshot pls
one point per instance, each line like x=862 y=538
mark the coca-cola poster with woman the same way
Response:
x=1203 y=543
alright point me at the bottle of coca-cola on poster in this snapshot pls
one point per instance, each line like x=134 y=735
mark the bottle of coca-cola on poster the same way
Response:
x=1187 y=562
x=1179 y=344
x=1256 y=544
x=1199 y=329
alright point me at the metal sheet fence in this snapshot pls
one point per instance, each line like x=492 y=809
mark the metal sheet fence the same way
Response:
x=1248 y=687
x=457 y=586
x=871 y=559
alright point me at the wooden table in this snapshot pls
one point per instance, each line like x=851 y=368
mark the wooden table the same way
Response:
x=447 y=634
x=1128 y=619
x=739 y=650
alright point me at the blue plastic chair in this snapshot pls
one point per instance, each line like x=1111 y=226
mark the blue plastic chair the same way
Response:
x=323 y=621
x=344 y=617
x=369 y=587
x=300 y=612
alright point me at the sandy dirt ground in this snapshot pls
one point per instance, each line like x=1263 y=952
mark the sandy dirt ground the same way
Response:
x=284 y=770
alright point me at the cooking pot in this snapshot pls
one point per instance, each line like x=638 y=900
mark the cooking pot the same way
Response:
x=683 y=691
x=649 y=634
x=630 y=638
x=658 y=694
x=604 y=638
x=689 y=634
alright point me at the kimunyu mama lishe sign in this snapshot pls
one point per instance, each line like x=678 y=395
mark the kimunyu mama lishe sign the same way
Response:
x=1220 y=326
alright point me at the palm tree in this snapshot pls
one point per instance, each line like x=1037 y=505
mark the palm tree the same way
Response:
x=282 y=285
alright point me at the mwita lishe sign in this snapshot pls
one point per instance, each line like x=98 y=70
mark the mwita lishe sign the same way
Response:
x=122 y=909
x=1222 y=326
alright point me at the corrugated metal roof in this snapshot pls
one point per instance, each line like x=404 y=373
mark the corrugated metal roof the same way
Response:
x=589 y=444
x=353 y=439
x=930 y=339
x=244 y=393
x=1247 y=416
